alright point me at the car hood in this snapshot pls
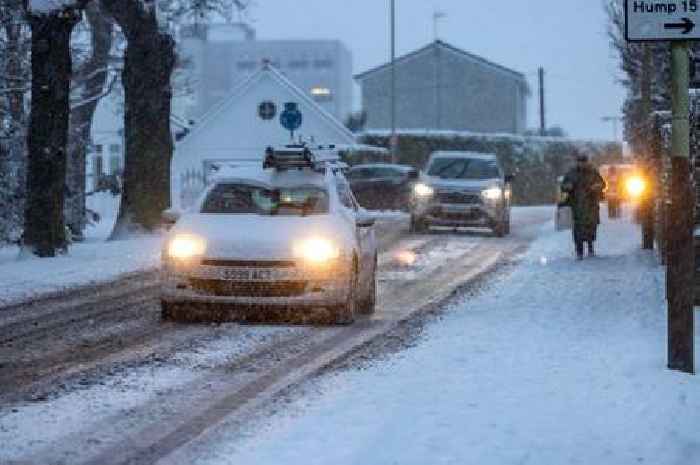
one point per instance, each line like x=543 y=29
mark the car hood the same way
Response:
x=476 y=185
x=254 y=237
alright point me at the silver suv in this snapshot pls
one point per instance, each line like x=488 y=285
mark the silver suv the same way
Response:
x=462 y=189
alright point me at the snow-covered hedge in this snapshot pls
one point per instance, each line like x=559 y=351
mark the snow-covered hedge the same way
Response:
x=536 y=162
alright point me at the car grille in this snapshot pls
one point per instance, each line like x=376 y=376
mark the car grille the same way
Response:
x=248 y=289
x=458 y=197
x=250 y=263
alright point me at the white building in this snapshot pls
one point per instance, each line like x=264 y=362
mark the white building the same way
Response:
x=107 y=153
x=238 y=130
x=222 y=55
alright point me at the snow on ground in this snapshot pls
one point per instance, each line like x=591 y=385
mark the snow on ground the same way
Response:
x=559 y=362
x=91 y=261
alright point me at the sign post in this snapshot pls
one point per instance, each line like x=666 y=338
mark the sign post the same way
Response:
x=676 y=21
x=291 y=118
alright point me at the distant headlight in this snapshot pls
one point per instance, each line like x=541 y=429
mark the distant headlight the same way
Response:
x=494 y=193
x=636 y=186
x=423 y=190
x=186 y=246
x=316 y=250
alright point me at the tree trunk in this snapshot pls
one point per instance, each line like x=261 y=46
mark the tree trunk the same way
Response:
x=44 y=232
x=12 y=162
x=93 y=75
x=148 y=65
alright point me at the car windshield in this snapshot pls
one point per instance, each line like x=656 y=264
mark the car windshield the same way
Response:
x=250 y=199
x=464 y=168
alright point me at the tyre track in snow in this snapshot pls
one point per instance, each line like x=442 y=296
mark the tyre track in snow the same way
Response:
x=55 y=342
x=230 y=393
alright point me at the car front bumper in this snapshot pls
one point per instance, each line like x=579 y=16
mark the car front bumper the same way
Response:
x=248 y=286
x=485 y=214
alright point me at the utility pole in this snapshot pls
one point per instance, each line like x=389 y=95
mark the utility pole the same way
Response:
x=681 y=256
x=543 y=123
x=647 y=204
x=393 y=142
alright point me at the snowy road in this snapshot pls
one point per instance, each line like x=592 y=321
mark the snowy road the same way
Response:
x=97 y=378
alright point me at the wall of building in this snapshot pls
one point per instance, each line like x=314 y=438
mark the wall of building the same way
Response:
x=220 y=62
x=440 y=89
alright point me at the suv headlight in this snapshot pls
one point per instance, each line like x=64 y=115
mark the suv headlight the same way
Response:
x=423 y=190
x=186 y=246
x=493 y=193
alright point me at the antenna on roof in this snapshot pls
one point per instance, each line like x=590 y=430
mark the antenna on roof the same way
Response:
x=437 y=16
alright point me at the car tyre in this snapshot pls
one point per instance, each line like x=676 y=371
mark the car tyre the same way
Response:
x=369 y=304
x=168 y=311
x=500 y=229
x=418 y=225
x=344 y=314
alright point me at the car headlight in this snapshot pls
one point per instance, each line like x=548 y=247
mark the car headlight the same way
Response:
x=635 y=186
x=185 y=246
x=423 y=190
x=316 y=250
x=494 y=193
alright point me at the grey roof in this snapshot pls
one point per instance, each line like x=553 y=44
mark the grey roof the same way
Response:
x=444 y=45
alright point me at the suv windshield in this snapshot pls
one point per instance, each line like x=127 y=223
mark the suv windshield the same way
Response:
x=249 y=199
x=464 y=168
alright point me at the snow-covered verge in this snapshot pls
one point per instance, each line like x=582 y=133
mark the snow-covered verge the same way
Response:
x=558 y=362
x=93 y=261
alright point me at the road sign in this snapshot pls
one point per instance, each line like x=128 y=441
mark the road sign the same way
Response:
x=291 y=117
x=647 y=20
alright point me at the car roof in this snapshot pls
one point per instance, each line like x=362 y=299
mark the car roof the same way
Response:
x=271 y=177
x=466 y=155
x=384 y=165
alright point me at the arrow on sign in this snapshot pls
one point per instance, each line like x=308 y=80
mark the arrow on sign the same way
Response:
x=687 y=25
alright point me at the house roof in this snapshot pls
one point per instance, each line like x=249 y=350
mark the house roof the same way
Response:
x=445 y=46
x=268 y=70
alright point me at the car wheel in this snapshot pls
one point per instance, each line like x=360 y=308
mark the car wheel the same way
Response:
x=344 y=313
x=369 y=304
x=418 y=225
x=499 y=230
x=168 y=311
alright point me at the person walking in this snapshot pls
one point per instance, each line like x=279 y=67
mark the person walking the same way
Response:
x=584 y=187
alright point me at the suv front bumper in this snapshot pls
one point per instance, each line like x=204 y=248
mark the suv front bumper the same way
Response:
x=485 y=214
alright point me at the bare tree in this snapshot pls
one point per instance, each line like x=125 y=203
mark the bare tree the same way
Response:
x=149 y=60
x=47 y=139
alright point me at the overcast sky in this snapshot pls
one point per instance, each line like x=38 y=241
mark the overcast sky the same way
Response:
x=566 y=37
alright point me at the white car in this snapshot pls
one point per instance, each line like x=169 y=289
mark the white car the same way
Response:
x=289 y=235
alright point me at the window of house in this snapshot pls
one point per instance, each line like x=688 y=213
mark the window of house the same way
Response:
x=298 y=64
x=115 y=149
x=246 y=65
x=321 y=93
x=98 y=149
x=323 y=63
x=115 y=164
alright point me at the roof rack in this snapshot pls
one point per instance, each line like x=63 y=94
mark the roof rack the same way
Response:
x=300 y=156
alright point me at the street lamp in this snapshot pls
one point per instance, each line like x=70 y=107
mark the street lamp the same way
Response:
x=393 y=142
x=614 y=120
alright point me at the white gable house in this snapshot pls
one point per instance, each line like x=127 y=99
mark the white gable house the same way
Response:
x=243 y=125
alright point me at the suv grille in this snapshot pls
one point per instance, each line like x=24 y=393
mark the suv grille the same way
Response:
x=459 y=197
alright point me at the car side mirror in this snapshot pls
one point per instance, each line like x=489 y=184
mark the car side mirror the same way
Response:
x=509 y=178
x=364 y=220
x=170 y=217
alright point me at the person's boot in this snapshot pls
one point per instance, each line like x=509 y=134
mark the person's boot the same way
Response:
x=579 y=250
x=591 y=250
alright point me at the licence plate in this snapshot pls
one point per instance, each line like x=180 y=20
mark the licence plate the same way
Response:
x=248 y=275
x=457 y=209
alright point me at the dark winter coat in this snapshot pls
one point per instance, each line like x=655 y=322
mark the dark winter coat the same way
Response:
x=584 y=186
